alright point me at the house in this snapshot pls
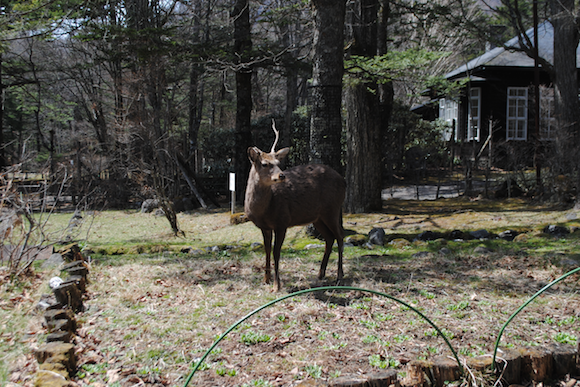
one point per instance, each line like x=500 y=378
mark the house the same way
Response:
x=499 y=96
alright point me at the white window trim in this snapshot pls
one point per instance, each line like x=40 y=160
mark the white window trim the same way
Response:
x=547 y=120
x=449 y=112
x=517 y=119
x=471 y=136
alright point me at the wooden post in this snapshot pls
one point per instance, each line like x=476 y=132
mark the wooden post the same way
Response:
x=233 y=191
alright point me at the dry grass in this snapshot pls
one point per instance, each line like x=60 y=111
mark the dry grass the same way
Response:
x=149 y=316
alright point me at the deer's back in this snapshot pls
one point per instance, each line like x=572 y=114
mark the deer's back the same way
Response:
x=308 y=193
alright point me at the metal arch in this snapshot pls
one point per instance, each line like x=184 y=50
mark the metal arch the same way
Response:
x=323 y=288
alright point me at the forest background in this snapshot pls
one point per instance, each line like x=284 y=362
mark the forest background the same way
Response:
x=123 y=100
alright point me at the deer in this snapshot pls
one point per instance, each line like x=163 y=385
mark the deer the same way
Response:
x=276 y=200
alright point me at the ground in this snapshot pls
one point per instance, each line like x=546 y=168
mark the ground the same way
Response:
x=149 y=317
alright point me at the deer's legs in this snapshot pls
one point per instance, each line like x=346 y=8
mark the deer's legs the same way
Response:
x=340 y=242
x=280 y=235
x=267 y=234
x=329 y=239
x=331 y=234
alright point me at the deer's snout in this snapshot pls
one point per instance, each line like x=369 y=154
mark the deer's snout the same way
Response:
x=278 y=177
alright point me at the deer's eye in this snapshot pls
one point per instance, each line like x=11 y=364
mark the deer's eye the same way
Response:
x=265 y=165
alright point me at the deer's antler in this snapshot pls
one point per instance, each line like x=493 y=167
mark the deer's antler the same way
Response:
x=277 y=136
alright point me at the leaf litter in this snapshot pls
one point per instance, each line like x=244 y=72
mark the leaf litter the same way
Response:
x=147 y=322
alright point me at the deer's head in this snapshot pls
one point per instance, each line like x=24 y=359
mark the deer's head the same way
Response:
x=267 y=165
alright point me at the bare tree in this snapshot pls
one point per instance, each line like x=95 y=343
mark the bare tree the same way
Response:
x=242 y=47
x=326 y=92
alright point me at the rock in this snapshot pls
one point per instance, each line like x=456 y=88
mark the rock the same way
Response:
x=556 y=230
x=356 y=240
x=457 y=235
x=313 y=246
x=149 y=205
x=569 y=263
x=377 y=236
x=421 y=254
x=508 y=235
x=523 y=238
x=54 y=260
x=480 y=234
x=399 y=243
x=191 y=250
x=444 y=251
x=482 y=250
x=55 y=282
x=428 y=236
x=312 y=232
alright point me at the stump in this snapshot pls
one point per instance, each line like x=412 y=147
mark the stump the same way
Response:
x=536 y=364
x=383 y=379
x=312 y=383
x=417 y=373
x=443 y=370
x=71 y=252
x=509 y=365
x=69 y=294
x=51 y=378
x=79 y=281
x=76 y=268
x=564 y=359
x=62 y=336
x=63 y=353
x=58 y=314
x=349 y=381
x=480 y=363
x=61 y=325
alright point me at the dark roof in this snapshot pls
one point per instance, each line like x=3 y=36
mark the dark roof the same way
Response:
x=502 y=57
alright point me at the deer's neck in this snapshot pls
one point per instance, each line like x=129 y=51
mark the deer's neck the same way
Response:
x=258 y=197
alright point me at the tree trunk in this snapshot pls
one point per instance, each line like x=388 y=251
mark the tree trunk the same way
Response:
x=386 y=91
x=328 y=67
x=242 y=48
x=195 y=107
x=363 y=166
x=3 y=162
x=364 y=115
x=566 y=106
x=291 y=83
x=566 y=39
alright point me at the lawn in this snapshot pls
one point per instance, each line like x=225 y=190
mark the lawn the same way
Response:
x=156 y=302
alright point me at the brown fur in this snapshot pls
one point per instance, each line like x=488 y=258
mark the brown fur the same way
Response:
x=276 y=200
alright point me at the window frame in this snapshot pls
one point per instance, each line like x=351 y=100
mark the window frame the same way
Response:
x=474 y=131
x=517 y=119
x=449 y=112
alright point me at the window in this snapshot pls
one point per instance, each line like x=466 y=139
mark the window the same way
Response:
x=517 y=113
x=474 y=120
x=448 y=113
x=547 y=120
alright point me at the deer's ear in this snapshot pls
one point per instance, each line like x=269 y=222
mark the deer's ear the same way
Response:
x=254 y=154
x=282 y=153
